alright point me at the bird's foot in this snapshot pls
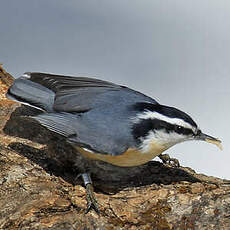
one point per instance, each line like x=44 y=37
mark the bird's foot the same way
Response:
x=166 y=159
x=90 y=197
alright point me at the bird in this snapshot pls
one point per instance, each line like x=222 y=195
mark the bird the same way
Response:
x=105 y=121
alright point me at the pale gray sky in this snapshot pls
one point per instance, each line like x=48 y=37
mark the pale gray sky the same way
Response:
x=176 y=51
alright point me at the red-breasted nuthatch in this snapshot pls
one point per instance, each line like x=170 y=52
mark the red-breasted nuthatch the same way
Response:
x=105 y=121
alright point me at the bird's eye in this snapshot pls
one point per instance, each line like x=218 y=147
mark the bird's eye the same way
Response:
x=179 y=129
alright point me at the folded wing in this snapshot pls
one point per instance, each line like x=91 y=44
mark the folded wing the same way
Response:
x=88 y=112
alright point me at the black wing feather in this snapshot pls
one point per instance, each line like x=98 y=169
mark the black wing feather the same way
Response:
x=81 y=94
x=59 y=83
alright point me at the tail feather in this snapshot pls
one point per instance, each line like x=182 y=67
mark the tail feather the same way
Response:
x=30 y=93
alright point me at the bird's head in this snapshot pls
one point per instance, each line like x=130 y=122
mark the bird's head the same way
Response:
x=164 y=126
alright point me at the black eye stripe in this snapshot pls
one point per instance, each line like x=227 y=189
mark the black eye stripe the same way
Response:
x=144 y=126
x=181 y=130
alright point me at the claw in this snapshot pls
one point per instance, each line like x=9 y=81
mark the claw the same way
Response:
x=166 y=159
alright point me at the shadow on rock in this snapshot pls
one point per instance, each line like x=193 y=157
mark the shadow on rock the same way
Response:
x=22 y=125
x=106 y=177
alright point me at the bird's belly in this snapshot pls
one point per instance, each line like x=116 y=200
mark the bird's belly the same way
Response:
x=132 y=157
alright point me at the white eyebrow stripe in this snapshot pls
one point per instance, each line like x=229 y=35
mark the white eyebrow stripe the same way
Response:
x=155 y=115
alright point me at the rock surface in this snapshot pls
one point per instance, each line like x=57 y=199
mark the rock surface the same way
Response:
x=39 y=191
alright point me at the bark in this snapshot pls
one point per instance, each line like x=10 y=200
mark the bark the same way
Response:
x=39 y=190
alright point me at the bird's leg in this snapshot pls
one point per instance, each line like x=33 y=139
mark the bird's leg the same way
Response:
x=166 y=159
x=90 y=197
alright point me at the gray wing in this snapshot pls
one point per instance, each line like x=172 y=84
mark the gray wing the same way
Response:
x=98 y=137
x=88 y=112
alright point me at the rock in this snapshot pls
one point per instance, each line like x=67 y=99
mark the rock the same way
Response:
x=6 y=105
x=39 y=191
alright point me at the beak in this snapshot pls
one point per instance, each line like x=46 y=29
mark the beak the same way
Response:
x=207 y=138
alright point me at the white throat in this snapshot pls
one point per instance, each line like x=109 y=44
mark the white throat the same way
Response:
x=161 y=140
